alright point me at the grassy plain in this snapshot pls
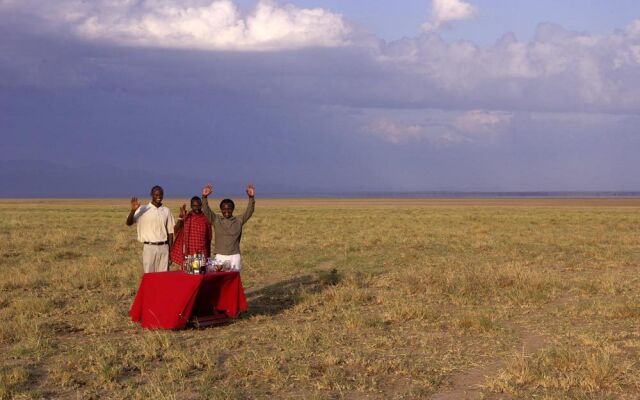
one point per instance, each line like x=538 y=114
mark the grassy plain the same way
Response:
x=355 y=299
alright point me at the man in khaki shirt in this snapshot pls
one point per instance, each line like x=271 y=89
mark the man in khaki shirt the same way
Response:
x=227 y=227
x=155 y=230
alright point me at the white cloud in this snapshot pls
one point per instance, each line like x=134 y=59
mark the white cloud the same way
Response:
x=445 y=11
x=442 y=128
x=483 y=122
x=210 y=24
x=396 y=132
x=559 y=70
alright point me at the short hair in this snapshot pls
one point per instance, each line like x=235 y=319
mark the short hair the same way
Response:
x=196 y=198
x=228 y=201
x=157 y=187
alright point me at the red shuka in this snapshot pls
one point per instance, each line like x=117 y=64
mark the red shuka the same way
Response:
x=194 y=237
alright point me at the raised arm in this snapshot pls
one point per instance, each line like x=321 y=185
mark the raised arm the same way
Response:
x=134 y=206
x=251 y=193
x=179 y=222
x=211 y=216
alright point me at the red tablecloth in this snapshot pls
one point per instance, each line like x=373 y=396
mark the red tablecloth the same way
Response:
x=168 y=300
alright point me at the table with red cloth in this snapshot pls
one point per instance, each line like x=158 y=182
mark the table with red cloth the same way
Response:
x=169 y=300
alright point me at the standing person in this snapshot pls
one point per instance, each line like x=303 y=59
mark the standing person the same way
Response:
x=228 y=228
x=155 y=230
x=192 y=233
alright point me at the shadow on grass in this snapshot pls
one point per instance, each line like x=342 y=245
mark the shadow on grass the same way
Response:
x=278 y=297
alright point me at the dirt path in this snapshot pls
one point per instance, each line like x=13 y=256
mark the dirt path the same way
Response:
x=467 y=385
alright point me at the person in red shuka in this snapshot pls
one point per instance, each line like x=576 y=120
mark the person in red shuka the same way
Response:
x=192 y=233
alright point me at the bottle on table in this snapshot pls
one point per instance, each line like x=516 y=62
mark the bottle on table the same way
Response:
x=203 y=264
x=194 y=264
x=185 y=263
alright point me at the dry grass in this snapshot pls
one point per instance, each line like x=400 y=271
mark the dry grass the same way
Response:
x=348 y=299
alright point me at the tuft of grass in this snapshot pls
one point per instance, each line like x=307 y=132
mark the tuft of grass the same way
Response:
x=13 y=380
x=574 y=372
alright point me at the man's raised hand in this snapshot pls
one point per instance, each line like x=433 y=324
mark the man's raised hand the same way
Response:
x=207 y=190
x=251 y=191
x=183 y=211
x=134 y=203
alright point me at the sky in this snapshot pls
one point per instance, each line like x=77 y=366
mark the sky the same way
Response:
x=107 y=97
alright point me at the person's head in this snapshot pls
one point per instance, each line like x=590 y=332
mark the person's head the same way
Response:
x=157 y=194
x=196 y=205
x=226 y=208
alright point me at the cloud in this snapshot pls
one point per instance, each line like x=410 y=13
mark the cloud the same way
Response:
x=483 y=122
x=557 y=71
x=396 y=132
x=445 y=11
x=208 y=25
x=529 y=114
x=437 y=127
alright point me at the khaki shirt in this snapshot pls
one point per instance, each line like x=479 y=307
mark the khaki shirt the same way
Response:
x=154 y=223
x=227 y=231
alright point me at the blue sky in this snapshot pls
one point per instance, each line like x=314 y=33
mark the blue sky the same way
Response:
x=299 y=96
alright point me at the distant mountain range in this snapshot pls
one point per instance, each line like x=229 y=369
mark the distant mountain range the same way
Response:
x=44 y=179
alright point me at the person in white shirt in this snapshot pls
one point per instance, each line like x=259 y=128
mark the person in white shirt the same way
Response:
x=155 y=230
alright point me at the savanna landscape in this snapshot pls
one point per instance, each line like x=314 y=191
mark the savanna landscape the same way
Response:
x=348 y=299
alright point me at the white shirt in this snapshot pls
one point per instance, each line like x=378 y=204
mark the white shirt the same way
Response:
x=154 y=223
